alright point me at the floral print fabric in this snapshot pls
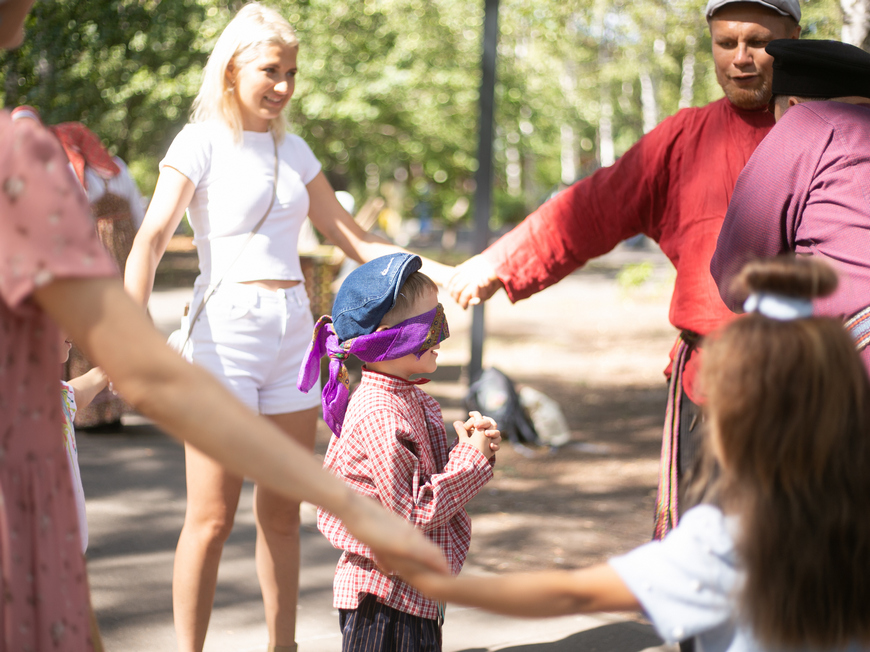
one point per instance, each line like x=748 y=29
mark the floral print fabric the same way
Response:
x=46 y=233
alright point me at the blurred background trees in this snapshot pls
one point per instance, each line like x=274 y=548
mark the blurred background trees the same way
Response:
x=387 y=89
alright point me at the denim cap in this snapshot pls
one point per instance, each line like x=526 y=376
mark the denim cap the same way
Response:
x=782 y=7
x=369 y=292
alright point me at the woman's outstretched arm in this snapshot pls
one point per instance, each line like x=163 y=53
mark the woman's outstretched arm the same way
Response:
x=531 y=595
x=193 y=406
x=338 y=227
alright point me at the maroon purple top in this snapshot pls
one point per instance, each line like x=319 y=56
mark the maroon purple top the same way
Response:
x=806 y=189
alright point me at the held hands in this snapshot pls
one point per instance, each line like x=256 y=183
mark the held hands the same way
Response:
x=473 y=282
x=480 y=432
x=398 y=546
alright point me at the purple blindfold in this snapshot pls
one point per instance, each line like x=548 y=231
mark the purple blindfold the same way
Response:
x=415 y=335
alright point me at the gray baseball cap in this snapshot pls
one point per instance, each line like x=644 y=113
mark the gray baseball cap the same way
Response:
x=782 y=7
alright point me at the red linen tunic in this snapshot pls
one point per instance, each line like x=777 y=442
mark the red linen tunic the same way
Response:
x=393 y=447
x=46 y=233
x=673 y=185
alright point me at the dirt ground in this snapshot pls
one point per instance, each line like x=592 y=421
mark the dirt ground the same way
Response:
x=597 y=342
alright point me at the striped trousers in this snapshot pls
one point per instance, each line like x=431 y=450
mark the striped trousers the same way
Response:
x=375 y=627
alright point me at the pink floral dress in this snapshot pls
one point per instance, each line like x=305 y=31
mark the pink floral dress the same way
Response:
x=46 y=233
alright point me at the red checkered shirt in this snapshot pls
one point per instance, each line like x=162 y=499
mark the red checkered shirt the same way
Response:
x=393 y=447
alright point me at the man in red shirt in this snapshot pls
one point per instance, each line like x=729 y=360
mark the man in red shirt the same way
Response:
x=674 y=186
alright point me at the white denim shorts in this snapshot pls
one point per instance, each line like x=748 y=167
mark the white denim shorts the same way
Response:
x=254 y=340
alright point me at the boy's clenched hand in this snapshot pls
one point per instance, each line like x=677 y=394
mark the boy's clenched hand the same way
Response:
x=479 y=431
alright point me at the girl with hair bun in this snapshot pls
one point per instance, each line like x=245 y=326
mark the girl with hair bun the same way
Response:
x=778 y=556
x=248 y=185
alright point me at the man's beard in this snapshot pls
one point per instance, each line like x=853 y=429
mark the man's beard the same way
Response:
x=747 y=98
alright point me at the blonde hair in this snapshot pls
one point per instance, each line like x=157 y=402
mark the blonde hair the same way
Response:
x=789 y=403
x=252 y=28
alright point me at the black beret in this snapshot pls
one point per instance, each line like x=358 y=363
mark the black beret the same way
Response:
x=808 y=68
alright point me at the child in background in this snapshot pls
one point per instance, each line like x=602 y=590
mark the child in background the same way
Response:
x=392 y=445
x=77 y=394
x=782 y=560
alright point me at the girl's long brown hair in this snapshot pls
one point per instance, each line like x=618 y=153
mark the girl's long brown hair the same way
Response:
x=788 y=404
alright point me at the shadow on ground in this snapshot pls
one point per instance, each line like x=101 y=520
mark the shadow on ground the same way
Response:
x=616 y=637
x=583 y=502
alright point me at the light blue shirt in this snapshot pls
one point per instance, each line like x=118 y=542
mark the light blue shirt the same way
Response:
x=687 y=583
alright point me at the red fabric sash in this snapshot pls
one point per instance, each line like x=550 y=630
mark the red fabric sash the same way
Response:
x=82 y=146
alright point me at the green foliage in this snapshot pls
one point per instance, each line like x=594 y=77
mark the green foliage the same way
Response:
x=126 y=68
x=387 y=90
x=633 y=275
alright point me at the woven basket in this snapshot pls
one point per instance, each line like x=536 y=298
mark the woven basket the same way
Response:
x=322 y=263
x=320 y=270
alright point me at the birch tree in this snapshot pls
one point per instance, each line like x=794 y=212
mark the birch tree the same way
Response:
x=856 y=22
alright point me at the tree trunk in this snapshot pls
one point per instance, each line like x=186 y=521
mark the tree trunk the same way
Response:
x=687 y=83
x=649 y=106
x=856 y=22
x=606 y=152
x=569 y=168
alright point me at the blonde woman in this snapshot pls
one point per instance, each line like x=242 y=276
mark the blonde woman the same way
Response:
x=255 y=327
x=53 y=271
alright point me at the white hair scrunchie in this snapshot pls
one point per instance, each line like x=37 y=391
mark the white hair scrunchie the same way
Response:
x=778 y=306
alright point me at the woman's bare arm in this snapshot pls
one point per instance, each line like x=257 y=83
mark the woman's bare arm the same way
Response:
x=193 y=406
x=338 y=227
x=171 y=198
x=532 y=595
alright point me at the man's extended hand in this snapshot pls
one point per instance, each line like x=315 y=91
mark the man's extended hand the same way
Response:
x=473 y=282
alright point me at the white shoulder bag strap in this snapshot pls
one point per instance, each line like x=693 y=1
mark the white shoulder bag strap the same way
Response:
x=213 y=288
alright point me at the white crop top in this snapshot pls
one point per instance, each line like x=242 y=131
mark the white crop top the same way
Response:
x=233 y=188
